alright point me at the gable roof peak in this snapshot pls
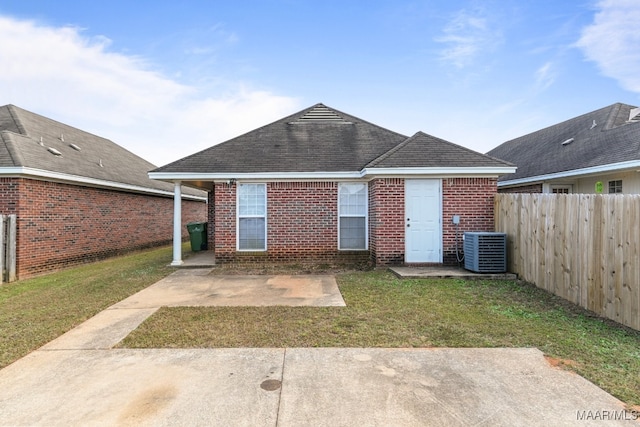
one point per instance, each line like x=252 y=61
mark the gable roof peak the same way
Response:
x=320 y=113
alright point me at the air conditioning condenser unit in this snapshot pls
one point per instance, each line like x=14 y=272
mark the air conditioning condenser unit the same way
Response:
x=485 y=252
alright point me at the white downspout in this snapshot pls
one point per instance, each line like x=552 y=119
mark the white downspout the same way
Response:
x=177 y=224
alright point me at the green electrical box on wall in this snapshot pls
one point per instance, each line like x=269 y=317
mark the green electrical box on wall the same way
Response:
x=599 y=187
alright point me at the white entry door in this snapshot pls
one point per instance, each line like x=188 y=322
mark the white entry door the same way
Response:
x=423 y=237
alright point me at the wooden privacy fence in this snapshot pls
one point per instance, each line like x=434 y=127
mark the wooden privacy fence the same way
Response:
x=582 y=247
x=7 y=248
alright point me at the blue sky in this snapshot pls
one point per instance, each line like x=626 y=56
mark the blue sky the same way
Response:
x=167 y=79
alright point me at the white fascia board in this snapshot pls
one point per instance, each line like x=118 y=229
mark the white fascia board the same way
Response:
x=259 y=176
x=442 y=172
x=594 y=170
x=364 y=173
x=22 y=172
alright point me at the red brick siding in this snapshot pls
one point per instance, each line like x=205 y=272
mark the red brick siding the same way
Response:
x=222 y=233
x=9 y=195
x=533 y=188
x=302 y=224
x=60 y=225
x=386 y=221
x=472 y=199
x=302 y=220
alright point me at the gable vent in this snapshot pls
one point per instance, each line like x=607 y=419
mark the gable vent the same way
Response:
x=634 y=115
x=321 y=113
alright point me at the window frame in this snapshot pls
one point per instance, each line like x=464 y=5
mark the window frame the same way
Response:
x=365 y=215
x=239 y=216
x=617 y=185
x=561 y=189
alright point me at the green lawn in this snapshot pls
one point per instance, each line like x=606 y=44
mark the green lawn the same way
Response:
x=35 y=311
x=381 y=311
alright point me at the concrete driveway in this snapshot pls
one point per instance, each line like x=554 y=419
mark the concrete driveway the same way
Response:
x=79 y=379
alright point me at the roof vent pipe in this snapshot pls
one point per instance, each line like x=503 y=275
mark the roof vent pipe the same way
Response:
x=62 y=137
x=54 y=151
x=41 y=142
x=594 y=124
x=100 y=163
x=568 y=141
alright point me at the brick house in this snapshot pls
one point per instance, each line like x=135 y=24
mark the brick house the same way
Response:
x=324 y=186
x=597 y=152
x=79 y=197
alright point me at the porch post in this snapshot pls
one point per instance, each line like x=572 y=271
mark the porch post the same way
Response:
x=177 y=224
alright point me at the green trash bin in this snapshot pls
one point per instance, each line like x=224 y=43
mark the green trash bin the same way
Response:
x=197 y=235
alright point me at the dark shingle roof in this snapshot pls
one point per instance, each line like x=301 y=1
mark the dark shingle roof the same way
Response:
x=423 y=150
x=322 y=139
x=317 y=139
x=613 y=139
x=26 y=137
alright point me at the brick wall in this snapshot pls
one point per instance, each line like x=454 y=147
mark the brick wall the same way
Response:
x=302 y=220
x=386 y=221
x=60 y=225
x=302 y=225
x=533 y=188
x=472 y=199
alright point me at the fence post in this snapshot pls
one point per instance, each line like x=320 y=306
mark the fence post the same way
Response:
x=2 y=250
x=11 y=247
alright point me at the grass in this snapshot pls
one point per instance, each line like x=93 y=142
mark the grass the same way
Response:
x=383 y=311
x=35 y=311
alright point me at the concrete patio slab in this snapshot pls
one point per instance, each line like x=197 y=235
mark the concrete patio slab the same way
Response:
x=445 y=271
x=436 y=387
x=299 y=387
x=141 y=388
x=198 y=287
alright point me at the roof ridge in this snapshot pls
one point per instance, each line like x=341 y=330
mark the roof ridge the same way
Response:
x=367 y=122
x=22 y=110
x=613 y=114
x=385 y=155
x=16 y=119
x=9 y=143
x=420 y=133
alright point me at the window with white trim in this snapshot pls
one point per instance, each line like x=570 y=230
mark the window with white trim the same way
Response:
x=615 y=187
x=352 y=216
x=252 y=217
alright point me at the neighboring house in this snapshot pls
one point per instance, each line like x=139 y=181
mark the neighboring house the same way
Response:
x=79 y=197
x=324 y=186
x=596 y=152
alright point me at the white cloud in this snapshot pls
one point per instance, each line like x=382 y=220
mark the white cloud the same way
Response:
x=612 y=41
x=545 y=76
x=467 y=36
x=64 y=75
